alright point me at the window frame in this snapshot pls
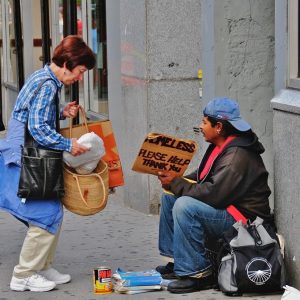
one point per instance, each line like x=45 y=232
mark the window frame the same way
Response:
x=18 y=41
x=293 y=76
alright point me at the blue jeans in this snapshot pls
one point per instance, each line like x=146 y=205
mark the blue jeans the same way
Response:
x=184 y=224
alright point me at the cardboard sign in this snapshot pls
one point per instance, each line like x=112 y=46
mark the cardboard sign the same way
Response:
x=164 y=153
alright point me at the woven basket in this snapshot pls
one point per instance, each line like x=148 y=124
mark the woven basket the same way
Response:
x=86 y=194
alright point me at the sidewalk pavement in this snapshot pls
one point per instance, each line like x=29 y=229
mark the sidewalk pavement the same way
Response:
x=116 y=237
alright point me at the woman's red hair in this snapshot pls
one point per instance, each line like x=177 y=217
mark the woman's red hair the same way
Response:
x=73 y=51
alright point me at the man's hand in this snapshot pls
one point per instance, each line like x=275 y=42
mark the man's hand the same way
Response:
x=71 y=110
x=166 y=178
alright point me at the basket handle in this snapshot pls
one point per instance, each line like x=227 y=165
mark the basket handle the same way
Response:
x=103 y=186
x=83 y=124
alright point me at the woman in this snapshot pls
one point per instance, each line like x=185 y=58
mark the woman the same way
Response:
x=71 y=58
x=229 y=185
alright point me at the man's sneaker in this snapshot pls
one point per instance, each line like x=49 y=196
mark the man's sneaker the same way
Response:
x=190 y=284
x=168 y=268
x=55 y=276
x=34 y=283
x=167 y=271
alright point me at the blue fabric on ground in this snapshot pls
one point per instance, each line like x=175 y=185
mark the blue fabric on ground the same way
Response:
x=46 y=214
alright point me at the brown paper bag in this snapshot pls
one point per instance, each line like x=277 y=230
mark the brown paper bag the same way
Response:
x=105 y=131
x=163 y=153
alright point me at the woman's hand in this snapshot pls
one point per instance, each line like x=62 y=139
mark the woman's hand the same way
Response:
x=71 y=110
x=77 y=148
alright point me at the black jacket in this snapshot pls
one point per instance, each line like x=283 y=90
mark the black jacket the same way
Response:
x=237 y=176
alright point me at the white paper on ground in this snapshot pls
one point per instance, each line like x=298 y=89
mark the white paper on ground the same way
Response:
x=290 y=293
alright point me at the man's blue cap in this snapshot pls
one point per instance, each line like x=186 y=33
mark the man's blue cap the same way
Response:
x=226 y=109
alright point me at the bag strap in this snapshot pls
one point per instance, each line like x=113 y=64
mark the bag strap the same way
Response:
x=83 y=124
x=75 y=176
x=236 y=214
x=28 y=139
x=251 y=228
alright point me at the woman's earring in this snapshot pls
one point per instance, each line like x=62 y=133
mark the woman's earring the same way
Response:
x=218 y=131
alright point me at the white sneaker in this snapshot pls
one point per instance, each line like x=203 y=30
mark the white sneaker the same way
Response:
x=34 y=283
x=55 y=276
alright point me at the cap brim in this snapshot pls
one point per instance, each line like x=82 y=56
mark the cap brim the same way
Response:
x=240 y=124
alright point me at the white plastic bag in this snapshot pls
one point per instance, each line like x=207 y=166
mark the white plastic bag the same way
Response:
x=290 y=293
x=87 y=168
x=86 y=162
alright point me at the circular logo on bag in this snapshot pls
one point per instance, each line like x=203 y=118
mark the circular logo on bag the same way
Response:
x=259 y=270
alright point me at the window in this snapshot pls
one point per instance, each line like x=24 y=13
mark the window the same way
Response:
x=1 y=71
x=98 y=101
x=93 y=19
x=90 y=22
x=293 y=44
x=13 y=73
x=11 y=55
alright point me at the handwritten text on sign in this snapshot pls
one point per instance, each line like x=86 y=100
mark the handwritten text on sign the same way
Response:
x=164 y=153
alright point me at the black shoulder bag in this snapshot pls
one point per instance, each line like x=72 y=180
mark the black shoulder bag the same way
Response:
x=41 y=169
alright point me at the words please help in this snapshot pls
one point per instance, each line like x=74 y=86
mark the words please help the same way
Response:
x=164 y=153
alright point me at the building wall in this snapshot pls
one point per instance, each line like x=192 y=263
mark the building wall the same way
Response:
x=161 y=51
x=160 y=56
x=286 y=132
x=286 y=122
x=243 y=63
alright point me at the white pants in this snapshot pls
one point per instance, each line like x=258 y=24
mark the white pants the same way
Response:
x=37 y=252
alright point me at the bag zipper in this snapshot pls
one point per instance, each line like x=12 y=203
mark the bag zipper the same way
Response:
x=44 y=184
